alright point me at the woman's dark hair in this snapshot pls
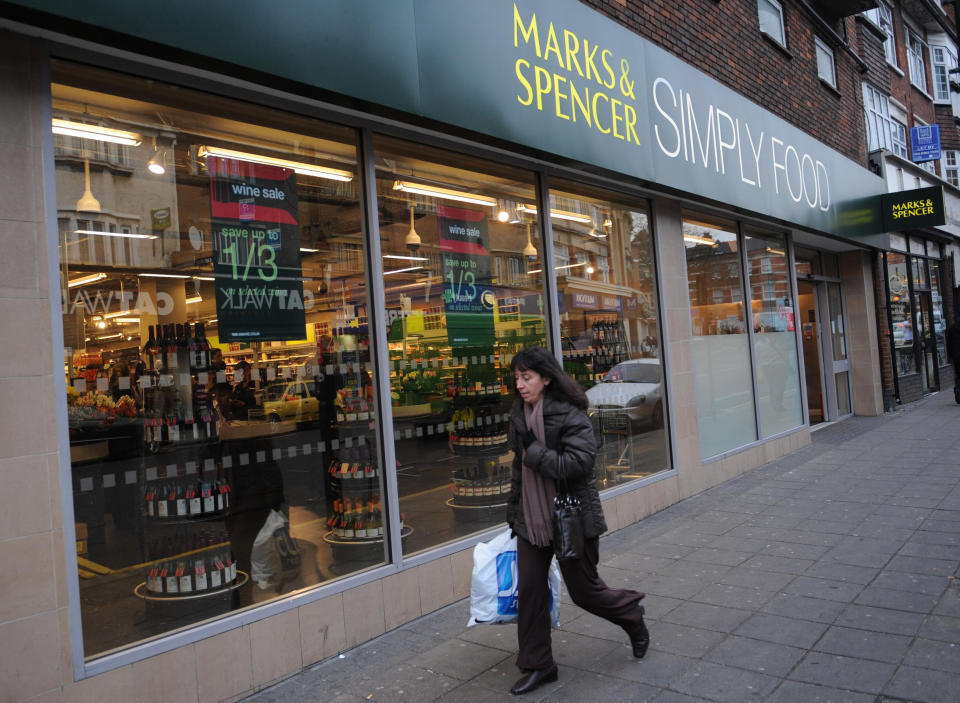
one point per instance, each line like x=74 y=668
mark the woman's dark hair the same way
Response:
x=561 y=386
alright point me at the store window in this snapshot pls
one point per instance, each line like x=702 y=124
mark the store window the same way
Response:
x=771 y=20
x=826 y=69
x=915 y=60
x=779 y=400
x=721 y=353
x=221 y=411
x=901 y=314
x=450 y=226
x=609 y=324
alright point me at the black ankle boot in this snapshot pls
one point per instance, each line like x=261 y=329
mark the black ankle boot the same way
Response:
x=534 y=679
x=640 y=637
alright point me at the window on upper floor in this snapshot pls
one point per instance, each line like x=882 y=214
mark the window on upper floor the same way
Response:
x=826 y=67
x=944 y=61
x=898 y=139
x=882 y=16
x=917 y=64
x=876 y=106
x=951 y=167
x=771 y=20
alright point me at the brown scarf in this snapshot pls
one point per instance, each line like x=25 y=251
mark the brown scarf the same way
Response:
x=538 y=491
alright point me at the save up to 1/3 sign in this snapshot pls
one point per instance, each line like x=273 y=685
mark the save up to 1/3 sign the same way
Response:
x=256 y=247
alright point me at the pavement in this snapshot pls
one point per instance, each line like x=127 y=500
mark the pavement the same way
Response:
x=830 y=574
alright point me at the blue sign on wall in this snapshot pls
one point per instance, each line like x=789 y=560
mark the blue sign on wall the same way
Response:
x=925 y=143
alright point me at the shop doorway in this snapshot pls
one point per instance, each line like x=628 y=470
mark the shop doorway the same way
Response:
x=926 y=341
x=812 y=365
x=825 y=356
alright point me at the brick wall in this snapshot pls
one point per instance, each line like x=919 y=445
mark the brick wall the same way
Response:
x=868 y=43
x=723 y=39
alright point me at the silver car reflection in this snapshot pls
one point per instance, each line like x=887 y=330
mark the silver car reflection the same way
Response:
x=628 y=397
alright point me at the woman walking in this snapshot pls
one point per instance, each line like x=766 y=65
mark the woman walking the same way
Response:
x=552 y=430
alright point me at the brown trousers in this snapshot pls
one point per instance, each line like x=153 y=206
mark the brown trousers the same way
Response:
x=586 y=588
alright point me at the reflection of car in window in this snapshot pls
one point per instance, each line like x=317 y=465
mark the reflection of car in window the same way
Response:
x=291 y=400
x=631 y=393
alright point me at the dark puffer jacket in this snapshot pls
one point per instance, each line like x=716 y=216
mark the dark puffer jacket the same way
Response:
x=568 y=432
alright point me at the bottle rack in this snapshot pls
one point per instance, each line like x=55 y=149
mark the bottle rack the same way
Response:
x=183 y=506
x=355 y=515
x=197 y=566
x=177 y=406
x=606 y=347
x=186 y=498
x=481 y=487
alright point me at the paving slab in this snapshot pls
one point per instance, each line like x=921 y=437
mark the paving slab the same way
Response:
x=831 y=574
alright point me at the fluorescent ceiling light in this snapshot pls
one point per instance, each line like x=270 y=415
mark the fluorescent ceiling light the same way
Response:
x=444 y=193
x=162 y=275
x=558 y=268
x=126 y=235
x=193 y=299
x=303 y=169
x=111 y=336
x=84 y=280
x=559 y=214
x=204 y=278
x=697 y=239
x=127 y=320
x=121 y=313
x=307 y=250
x=405 y=258
x=412 y=268
x=92 y=131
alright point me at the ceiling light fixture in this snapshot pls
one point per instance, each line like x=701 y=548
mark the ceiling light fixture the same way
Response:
x=158 y=162
x=92 y=131
x=125 y=235
x=127 y=320
x=308 y=250
x=111 y=336
x=204 y=278
x=87 y=203
x=162 y=275
x=333 y=174
x=193 y=299
x=84 y=280
x=559 y=214
x=412 y=240
x=444 y=193
x=529 y=251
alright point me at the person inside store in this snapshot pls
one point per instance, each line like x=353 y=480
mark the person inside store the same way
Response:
x=244 y=399
x=551 y=432
x=256 y=486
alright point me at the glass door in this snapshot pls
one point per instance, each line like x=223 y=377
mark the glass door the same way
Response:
x=838 y=345
x=928 y=343
x=812 y=362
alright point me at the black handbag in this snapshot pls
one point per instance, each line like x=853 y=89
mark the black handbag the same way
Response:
x=567 y=521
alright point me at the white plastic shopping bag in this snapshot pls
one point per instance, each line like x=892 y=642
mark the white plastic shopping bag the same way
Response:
x=275 y=557
x=495 y=583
